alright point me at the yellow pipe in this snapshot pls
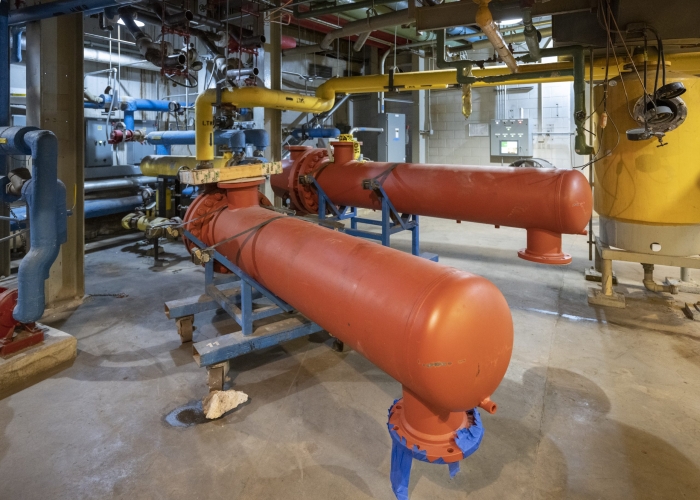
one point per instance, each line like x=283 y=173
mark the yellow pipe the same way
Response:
x=247 y=97
x=405 y=82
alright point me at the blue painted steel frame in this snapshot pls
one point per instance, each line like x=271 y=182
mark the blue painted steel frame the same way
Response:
x=250 y=290
x=392 y=221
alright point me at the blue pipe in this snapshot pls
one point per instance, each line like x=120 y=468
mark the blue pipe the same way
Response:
x=235 y=140
x=93 y=208
x=45 y=196
x=315 y=133
x=461 y=30
x=258 y=137
x=58 y=8
x=16 y=35
x=162 y=149
x=146 y=105
x=129 y=122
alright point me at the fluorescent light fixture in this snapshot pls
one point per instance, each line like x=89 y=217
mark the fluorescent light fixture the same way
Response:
x=138 y=23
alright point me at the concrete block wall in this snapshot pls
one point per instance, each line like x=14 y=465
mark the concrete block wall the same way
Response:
x=548 y=108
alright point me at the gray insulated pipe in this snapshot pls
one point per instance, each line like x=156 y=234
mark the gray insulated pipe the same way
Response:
x=45 y=196
x=160 y=55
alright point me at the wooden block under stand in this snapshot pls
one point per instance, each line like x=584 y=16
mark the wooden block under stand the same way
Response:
x=212 y=175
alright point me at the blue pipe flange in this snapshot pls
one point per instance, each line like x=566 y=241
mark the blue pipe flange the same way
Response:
x=467 y=439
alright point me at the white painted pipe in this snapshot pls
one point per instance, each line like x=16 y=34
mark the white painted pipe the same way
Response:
x=370 y=24
x=104 y=57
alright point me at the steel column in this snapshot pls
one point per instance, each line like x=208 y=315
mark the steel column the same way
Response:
x=5 y=120
x=55 y=103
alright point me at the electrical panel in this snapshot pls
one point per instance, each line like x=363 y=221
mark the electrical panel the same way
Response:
x=98 y=153
x=392 y=142
x=511 y=138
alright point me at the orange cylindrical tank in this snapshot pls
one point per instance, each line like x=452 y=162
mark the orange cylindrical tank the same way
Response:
x=546 y=202
x=445 y=334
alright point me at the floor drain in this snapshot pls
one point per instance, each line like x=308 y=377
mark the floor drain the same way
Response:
x=187 y=415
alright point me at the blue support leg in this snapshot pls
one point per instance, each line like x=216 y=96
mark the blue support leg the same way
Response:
x=386 y=222
x=209 y=273
x=246 y=308
x=415 y=237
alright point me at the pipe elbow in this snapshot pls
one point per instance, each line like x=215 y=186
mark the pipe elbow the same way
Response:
x=327 y=42
x=33 y=271
x=459 y=342
x=483 y=16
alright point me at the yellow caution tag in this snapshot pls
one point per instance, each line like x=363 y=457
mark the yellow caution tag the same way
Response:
x=3 y=140
x=156 y=137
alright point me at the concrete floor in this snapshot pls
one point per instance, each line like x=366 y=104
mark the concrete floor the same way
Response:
x=596 y=404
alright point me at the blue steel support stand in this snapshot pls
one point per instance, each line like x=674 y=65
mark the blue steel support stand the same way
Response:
x=245 y=300
x=392 y=221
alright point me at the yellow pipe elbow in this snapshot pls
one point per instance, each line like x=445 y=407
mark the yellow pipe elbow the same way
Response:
x=247 y=97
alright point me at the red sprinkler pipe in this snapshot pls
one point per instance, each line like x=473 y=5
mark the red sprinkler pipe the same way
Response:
x=287 y=42
x=546 y=202
x=445 y=335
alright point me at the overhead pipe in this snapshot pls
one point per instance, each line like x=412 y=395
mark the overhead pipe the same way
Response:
x=59 y=8
x=239 y=72
x=403 y=34
x=446 y=335
x=545 y=202
x=288 y=42
x=324 y=98
x=337 y=9
x=326 y=24
x=361 y=40
x=485 y=43
x=532 y=36
x=19 y=43
x=159 y=54
x=45 y=196
x=369 y=24
x=484 y=20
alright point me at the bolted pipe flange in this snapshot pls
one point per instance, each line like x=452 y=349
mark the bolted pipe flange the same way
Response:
x=445 y=448
x=303 y=196
x=311 y=164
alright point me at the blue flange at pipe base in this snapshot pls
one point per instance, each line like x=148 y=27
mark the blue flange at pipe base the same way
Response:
x=467 y=440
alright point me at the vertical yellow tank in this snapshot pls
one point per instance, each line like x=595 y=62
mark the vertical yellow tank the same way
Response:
x=648 y=197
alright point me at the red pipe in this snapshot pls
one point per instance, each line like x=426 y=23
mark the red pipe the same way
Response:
x=444 y=334
x=546 y=202
x=388 y=40
x=288 y=42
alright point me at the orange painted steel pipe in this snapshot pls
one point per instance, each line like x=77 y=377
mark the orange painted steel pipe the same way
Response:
x=444 y=334
x=546 y=202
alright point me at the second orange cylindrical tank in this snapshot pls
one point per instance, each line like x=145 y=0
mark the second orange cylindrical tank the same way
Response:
x=546 y=202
